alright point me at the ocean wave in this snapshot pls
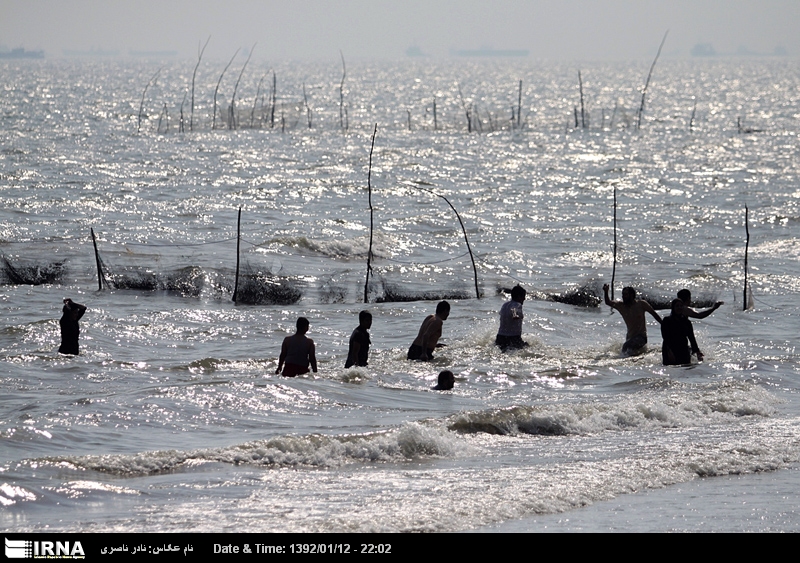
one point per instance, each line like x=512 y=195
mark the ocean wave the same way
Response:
x=680 y=409
x=410 y=441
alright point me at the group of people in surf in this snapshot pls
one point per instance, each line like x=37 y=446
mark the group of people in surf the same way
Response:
x=298 y=352
x=679 y=343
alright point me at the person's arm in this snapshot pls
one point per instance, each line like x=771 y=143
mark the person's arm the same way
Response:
x=431 y=337
x=284 y=351
x=693 y=343
x=352 y=355
x=76 y=309
x=703 y=314
x=312 y=357
x=649 y=309
x=606 y=298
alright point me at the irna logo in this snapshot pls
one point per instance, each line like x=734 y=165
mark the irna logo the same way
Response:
x=24 y=549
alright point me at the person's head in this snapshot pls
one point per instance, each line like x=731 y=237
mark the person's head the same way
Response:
x=365 y=319
x=302 y=325
x=446 y=381
x=518 y=294
x=628 y=295
x=443 y=310
x=678 y=307
x=686 y=296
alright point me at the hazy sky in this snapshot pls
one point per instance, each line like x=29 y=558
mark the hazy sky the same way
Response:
x=301 y=29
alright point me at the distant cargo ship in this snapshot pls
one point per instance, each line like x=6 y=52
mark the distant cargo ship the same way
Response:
x=90 y=53
x=488 y=52
x=21 y=53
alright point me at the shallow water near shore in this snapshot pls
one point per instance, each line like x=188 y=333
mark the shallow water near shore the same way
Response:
x=172 y=418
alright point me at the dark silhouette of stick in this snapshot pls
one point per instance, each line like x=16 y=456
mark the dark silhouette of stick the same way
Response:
x=141 y=105
x=647 y=82
x=369 y=187
x=232 y=108
x=216 y=90
x=341 y=93
x=182 y=123
x=194 y=74
x=746 y=248
x=583 y=111
x=464 y=230
x=614 y=267
x=519 y=106
x=691 y=119
x=255 y=100
x=274 y=97
x=238 y=241
x=467 y=111
x=308 y=108
x=100 y=276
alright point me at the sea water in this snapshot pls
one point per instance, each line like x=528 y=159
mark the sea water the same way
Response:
x=172 y=417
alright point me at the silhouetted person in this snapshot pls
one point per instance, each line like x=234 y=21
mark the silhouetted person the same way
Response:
x=298 y=352
x=446 y=381
x=509 y=335
x=686 y=296
x=70 y=329
x=429 y=334
x=632 y=311
x=359 y=341
x=678 y=334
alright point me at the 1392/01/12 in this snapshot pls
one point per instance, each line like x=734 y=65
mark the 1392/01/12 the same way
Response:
x=336 y=548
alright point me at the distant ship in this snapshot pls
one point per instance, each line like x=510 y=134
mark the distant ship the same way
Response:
x=21 y=53
x=153 y=54
x=489 y=52
x=90 y=53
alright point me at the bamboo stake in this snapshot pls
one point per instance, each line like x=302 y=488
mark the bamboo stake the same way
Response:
x=341 y=93
x=100 y=276
x=141 y=105
x=232 y=108
x=255 y=101
x=308 y=108
x=194 y=74
x=238 y=241
x=746 y=248
x=464 y=230
x=647 y=82
x=369 y=187
x=519 y=106
x=583 y=111
x=274 y=97
x=216 y=90
x=614 y=268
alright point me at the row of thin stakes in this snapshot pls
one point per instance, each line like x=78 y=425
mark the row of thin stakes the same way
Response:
x=265 y=115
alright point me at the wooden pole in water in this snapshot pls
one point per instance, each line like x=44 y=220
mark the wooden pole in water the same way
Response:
x=614 y=267
x=97 y=261
x=583 y=109
x=746 y=248
x=369 y=187
x=647 y=82
x=238 y=241
x=194 y=74
x=519 y=106
x=464 y=230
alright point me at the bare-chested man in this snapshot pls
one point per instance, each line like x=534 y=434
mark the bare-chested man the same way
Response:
x=429 y=334
x=632 y=311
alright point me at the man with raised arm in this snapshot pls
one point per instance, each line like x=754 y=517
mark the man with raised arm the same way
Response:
x=632 y=311
x=686 y=296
